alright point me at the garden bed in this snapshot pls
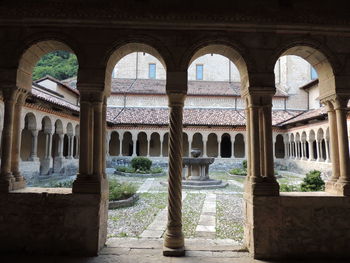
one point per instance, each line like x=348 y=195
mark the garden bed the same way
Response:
x=123 y=203
x=139 y=174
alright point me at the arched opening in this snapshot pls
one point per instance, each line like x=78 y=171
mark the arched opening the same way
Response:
x=279 y=147
x=142 y=144
x=127 y=149
x=197 y=142
x=226 y=146
x=320 y=146
x=29 y=138
x=185 y=145
x=155 y=144
x=165 y=144
x=239 y=146
x=212 y=145
x=114 y=144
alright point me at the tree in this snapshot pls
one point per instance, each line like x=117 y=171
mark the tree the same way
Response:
x=59 y=64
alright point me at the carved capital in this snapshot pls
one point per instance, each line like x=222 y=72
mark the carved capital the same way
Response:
x=176 y=99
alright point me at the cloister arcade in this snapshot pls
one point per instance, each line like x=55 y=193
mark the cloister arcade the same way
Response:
x=154 y=143
x=47 y=140
x=315 y=218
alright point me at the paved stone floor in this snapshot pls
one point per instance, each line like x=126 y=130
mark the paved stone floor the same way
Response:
x=133 y=250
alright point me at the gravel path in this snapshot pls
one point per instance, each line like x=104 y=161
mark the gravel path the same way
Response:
x=229 y=217
x=192 y=207
x=132 y=221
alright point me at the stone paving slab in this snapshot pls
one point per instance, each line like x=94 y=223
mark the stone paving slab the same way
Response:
x=207 y=220
x=146 y=185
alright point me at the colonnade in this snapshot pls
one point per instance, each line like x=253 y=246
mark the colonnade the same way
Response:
x=155 y=144
x=309 y=146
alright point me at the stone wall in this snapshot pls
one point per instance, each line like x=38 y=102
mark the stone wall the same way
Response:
x=298 y=225
x=55 y=222
x=304 y=166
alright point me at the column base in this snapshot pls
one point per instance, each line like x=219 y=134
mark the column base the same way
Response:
x=89 y=185
x=338 y=188
x=262 y=187
x=174 y=252
x=69 y=157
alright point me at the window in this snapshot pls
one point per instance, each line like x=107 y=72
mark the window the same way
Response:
x=152 y=71
x=199 y=72
x=313 y=74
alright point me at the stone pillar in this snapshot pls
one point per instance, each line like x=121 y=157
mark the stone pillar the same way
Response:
x=70 y=146
x=189 y=147
x=261 y=179
x=104 y=137
x=327 y=151
x=46 y=163
x=205 y=154
x=148 y=145
x=311 y=151
x=10 y=178
x=173 y=237
x=303 y=150
x=319 y=157
x=161 y=145
x=34 y=150
x=90 y=178
x=233 y=146
x=77 y=147
x=333 y=135
x=121 y=144
x=274 y=149
x=219 y=147
x=340 y=107
x=134 y=142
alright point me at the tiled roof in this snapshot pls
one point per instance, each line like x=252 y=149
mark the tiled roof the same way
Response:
x=54 y=100
x=205 y=117
x=157 y=86
x=67 y=85
x=306 y=115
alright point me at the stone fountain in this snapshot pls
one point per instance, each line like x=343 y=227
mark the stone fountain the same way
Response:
x=196 y=172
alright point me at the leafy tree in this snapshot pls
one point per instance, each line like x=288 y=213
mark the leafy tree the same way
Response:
x=59 y=64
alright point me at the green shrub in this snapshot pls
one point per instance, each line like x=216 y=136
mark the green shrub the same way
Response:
x=245 y=164
x=118 y=191
x=156 y=170
x=289 y=188
x=62 y=184
x=125 y=169
x=141 y=164
x=238 y=171
x=312 y=182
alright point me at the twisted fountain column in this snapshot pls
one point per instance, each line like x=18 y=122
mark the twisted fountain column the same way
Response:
x=174 y=238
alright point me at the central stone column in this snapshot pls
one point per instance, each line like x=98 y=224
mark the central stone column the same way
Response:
x=260 y=179
x=174 y=238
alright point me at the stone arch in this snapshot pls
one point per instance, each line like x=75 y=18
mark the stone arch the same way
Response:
x=225 y=49
x=197 y=142
x=127 y=144
x=124 y=49
x=114 y=144
x=155 y=146
x=226 y=146
x=30 y=126
x=212 y=145
x=141 y=144
x=31 y=56
x=279 y=147
x=239 y=146
x=318 y=56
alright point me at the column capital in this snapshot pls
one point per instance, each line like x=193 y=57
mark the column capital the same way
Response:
x=176 y=81
x=14 y=95
x=335 y=102
x=34 y=132
x=176 y=99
